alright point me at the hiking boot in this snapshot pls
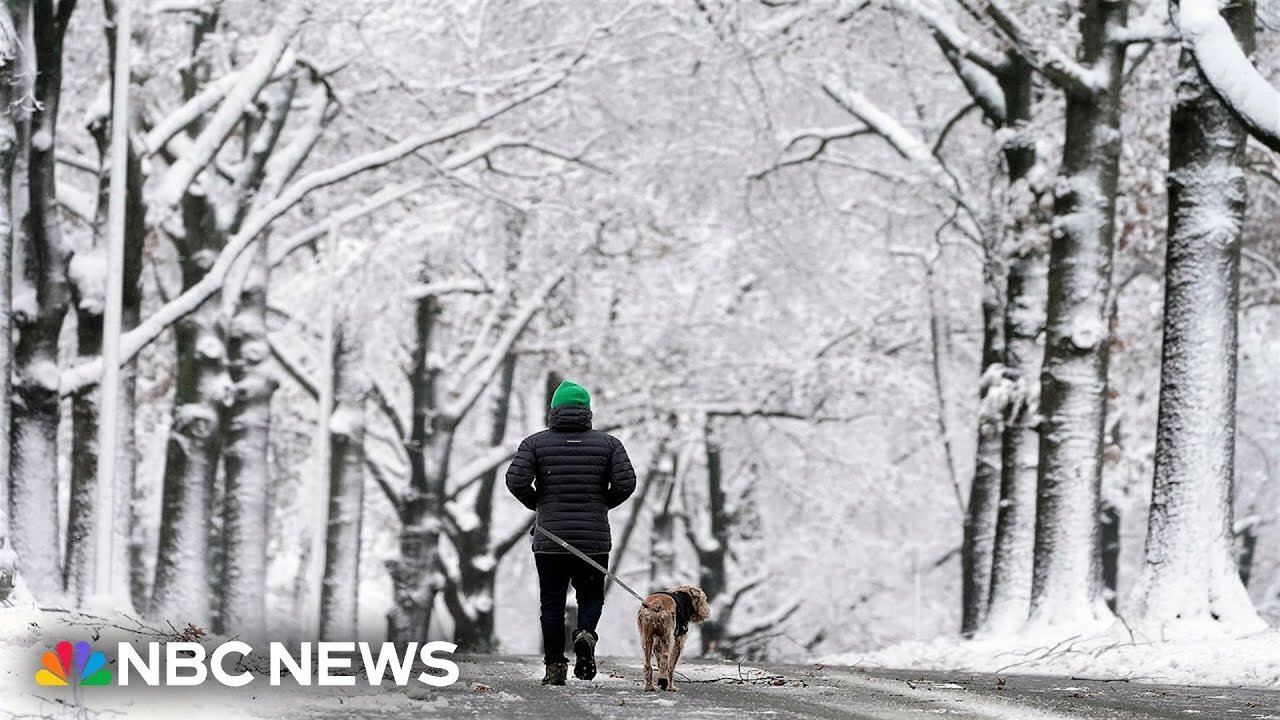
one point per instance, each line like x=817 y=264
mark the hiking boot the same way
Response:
x=584 y=646
x=557 y=673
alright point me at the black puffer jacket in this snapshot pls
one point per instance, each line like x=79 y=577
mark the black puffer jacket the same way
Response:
x=571 y=476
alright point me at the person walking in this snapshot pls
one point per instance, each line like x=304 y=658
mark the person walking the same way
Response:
x=571 y=476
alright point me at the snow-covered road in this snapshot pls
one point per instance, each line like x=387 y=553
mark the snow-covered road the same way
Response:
x=508 y=688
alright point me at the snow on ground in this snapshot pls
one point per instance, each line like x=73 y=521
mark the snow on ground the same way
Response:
x=1251 y=660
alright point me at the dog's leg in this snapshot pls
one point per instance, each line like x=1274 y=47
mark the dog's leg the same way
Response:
x=675 y=658
x=667 y=668
x=646 y=649
x=663 y=652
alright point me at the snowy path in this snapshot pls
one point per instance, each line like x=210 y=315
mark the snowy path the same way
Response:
x=508 y=688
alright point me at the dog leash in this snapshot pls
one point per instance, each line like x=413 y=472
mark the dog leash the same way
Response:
x=583 y=556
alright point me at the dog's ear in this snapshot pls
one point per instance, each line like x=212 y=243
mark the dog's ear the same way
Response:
x=701 y=610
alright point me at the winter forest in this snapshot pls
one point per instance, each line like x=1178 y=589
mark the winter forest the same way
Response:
x=919 y=318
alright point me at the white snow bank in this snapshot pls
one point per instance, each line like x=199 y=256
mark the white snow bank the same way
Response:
x=1252 y=660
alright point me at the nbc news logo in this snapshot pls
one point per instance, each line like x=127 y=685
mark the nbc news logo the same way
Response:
x=190 y=663
x=78 y=665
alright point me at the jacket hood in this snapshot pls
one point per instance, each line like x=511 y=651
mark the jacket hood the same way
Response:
x=569 y=418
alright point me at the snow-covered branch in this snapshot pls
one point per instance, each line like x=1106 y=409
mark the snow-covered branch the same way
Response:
x=765 y=623
x=78 y=203
x=380 y=478
x=1055 y=66
x=817 y=138
x=1228 y=71
x=469 y=474
x=987 y=58
x=200 y=103
x=81 y=376
x=475 y=388
x=293 y=369
x=746 y=411
x=283 y=248
x=447 y=287
x=287 y=161
x=219 y=127
x=501 y=548
x=983 y=86
x=909 y=145
x=383 y=400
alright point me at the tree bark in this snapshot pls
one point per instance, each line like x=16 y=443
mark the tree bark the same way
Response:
x=246 y=507
x=138 y=514
x=1066 y=584
x=662 y=542
x=10 y=121
x=1013 y=551
x=339 y=598
x=472 y=593
x=984 y=492
x=660 y=474
x=45 y=298
x=88 y=284
x=713 y=574
x=245 y=511
x=414 y=577
x=474 y=629
x=184 y=566
x=1190 y=580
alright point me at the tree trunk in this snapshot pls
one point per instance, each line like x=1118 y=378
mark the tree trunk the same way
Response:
x=1013 y=552
x=984 y=492
x=88 y=285
x=184 y=567
x=662 y=545
x=39 y=316
x=414 y=577
x=1110 y=548
x=1066 y=585
x=1016 y=522
x=1190 y=580
x=78 y=579
x=660 y=474
x=472 y=595
x=246 y=510
x=339 y=595
x=138 y=514
x=474 y=629
x=10 y=120
x=1248 y=546
x=713 y=575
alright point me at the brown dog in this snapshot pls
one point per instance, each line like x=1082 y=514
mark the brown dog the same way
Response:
x=663 y=621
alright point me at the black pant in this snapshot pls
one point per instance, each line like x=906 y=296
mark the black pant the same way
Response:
x=555 y=572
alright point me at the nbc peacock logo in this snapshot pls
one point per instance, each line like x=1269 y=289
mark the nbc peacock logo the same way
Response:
x=73 y=665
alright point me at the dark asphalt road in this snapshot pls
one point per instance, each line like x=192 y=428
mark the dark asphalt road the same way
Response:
x=507 y=687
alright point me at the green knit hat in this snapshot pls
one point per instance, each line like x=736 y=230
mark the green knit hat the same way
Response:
x=570 y=393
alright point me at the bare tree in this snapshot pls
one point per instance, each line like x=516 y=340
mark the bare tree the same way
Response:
x=41 y=299
x=11 y=122
x=416 y=573
x=662 y=548
x=1066 y=584
x=710 y=524
x=998 y=545
x=86 y=274
x=1190 y=576
x=469 y=593
x=339 y=598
